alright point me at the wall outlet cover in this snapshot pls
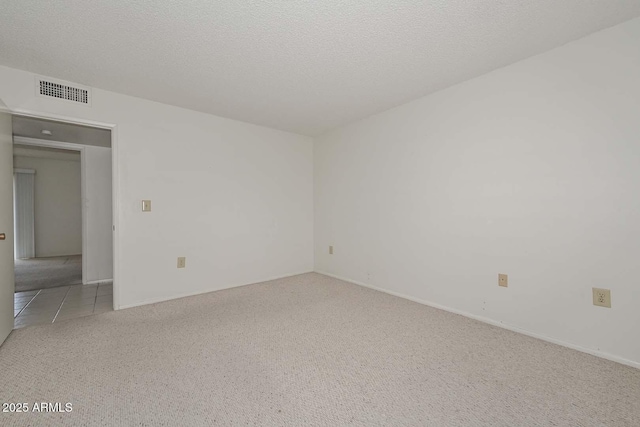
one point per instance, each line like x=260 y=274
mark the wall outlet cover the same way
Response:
x=503 y=280
x=602 y=297
x=146 y=206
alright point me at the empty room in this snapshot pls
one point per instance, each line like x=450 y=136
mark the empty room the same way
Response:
x=322 y=213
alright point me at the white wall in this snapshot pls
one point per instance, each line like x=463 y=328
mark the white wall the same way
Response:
x=234 y=198
x=58 y=212
x=532 y=170
x=98 y=211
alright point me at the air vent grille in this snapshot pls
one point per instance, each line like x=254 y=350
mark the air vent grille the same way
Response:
x=63 y=90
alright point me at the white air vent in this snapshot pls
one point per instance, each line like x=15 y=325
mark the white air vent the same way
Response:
x=53 y=88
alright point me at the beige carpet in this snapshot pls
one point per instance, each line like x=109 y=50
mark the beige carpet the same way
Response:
x=307 y=350
x=50 y=272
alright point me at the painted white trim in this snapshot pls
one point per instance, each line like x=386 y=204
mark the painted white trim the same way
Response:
x=34 y=152
x=35 y=142
x=115 y=216
x=62 y=118
x=191 y=294
x=492 y=322
x=99 y=282
x=115 y=187
x=21 y=170
x=84 y=220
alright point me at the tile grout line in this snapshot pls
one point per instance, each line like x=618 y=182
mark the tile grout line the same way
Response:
x=64 y=300
x=27 y=305
x=95 y=299
x=59 y=308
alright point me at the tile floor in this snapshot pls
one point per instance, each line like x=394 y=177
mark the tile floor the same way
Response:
x=57 y=304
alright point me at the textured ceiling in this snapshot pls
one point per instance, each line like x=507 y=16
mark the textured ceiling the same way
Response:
x=303 y=66
x=30 y=127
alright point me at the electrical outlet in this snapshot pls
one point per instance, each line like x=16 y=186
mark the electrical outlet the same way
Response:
x=182 y=262
x=330 y=250
x=503 y=280
x=602 y=297
x=146 y=206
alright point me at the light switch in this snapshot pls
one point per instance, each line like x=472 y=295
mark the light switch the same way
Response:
x=146 y=206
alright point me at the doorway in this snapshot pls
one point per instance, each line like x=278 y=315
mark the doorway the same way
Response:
x=62 y=221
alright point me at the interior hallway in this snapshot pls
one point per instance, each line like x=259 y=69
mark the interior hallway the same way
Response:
x=44 y=273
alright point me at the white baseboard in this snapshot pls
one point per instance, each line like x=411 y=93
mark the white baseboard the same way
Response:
x=96 y=282
x=494 y=323
x=191 y=294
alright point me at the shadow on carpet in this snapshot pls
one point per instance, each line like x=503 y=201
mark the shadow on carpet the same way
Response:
x=44 y=273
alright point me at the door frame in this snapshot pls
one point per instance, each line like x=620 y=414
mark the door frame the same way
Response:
x=115 y=188
x=36 y=142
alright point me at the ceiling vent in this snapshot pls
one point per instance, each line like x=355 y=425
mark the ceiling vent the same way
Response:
x=52 y=88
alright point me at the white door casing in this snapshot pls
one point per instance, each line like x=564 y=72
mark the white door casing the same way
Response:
x=6 y=224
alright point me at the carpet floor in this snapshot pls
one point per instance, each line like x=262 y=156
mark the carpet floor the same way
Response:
x=306 y=350
x=44 y=273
